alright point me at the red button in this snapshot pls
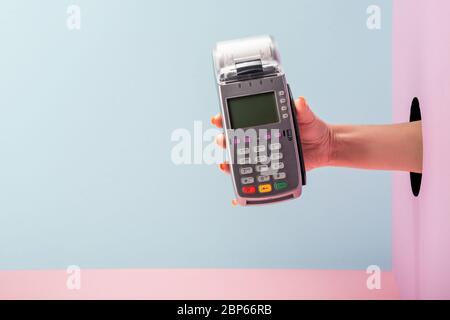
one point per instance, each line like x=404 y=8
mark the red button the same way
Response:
x=249 y=190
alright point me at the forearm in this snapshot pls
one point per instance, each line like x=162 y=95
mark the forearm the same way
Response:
x=378 y=147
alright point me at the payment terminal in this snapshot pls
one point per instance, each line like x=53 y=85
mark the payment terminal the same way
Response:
x=259 y=120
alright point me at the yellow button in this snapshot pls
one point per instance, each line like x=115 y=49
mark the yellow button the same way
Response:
x=265 y=188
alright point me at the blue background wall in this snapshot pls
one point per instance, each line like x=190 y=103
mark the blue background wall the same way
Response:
x=86 y=119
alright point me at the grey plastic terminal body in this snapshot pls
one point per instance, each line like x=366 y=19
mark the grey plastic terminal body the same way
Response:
x=248 y=67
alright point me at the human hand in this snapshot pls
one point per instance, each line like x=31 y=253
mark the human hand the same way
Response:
x=316 y=137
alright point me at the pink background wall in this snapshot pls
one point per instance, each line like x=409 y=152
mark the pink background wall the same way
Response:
x=421 y=67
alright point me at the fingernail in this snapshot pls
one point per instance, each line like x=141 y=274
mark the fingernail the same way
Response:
x=222 y=166
x=213 y=120
x=234 y=203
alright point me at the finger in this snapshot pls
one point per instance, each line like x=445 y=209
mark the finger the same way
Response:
x=221 y=140
x=217 y=121
x=304 y=113
x=224 y=167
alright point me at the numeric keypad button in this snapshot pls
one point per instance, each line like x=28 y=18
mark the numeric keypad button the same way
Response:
x=275 y=146
x=260 y=148
x=262 y=168
x=261 y=159
x=247 y=180
x=277 y=166
x=243 y=151
x=243 y=161
x=246 y=170
x=279 y=176
x=276 y=156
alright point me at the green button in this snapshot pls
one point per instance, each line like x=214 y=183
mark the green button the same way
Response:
x=281 y=185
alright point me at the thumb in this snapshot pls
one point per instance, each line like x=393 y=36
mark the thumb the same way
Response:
x=304 y=113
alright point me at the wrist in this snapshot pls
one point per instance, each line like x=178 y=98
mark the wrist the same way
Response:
x=336 y=146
